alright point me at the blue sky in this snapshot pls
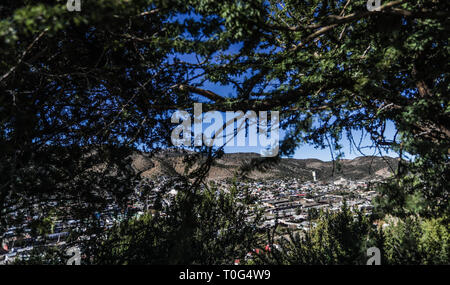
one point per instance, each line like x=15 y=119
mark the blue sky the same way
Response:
x=309 y=150
x=306 y=150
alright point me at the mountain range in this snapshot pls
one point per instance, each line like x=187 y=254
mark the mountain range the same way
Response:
x=171 y=163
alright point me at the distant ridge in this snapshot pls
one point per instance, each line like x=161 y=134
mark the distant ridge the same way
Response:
x=170 y=163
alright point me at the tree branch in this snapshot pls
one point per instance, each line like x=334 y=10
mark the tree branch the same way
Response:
x=24 y=54
x=205 y=93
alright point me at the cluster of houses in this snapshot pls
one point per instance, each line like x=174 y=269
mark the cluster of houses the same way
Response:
x=34 y=227
x=293 y=203
x=289 y=202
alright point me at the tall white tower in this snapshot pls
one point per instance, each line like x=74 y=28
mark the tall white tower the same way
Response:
x=314 y=176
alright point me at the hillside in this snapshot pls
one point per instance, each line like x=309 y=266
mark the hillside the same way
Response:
x=171 y=163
